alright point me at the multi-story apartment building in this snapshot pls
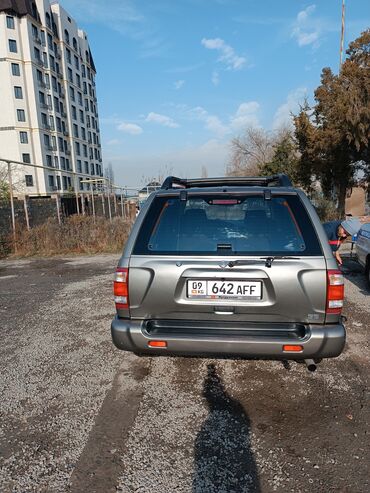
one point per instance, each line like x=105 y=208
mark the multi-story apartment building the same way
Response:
x=48 y=104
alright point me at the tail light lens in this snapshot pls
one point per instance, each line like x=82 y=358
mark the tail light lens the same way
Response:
x=120 y=288
x=335 y=292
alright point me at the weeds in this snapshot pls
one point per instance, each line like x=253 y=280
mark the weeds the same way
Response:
x=76 y=234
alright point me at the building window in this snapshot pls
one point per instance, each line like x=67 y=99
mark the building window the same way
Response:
x=10 y=22
x=21 y=116
x=26 y=158
x=59 y=124
x=79 y=166
x=18 y=92
x=78 y=80
x=58 y=183
x=29 y=180
x=81 y=185
x=75 y=130
x=86 y=164
x=92 y=170
x=62 y=162
x=35 y=31
x=16 y=69
x=60 y=144
x=83 y=133
x=52 y=62
x=64 y=182
x=80 y=99
x=70 y=75
x=45 y=59
x=51 y=181
x=49 y=161
x=66 y=36
x=50 y=42
x=77 y=63
x=23 y=137
x=68 y=55
x=47 y=141
x=47 y=17
x=85 y=150
x=72 y=93
x=78 y=149
x=43 y=39
x=82 y=118
x=67 y=164
x=13 y=46
x=74 y=113
x=44 y=120
x=56 y=162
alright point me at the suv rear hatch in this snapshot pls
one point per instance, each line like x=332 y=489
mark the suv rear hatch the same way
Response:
x=228 y=255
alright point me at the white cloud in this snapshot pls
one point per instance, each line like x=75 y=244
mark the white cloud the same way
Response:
x=305 y=30
x=130 y=128
x=215 y=78
x=245 y=116
x=228 y=55
x=211 y=122
x=164 y=120
x=178 y=84
x=283 y=115
x=113 y=142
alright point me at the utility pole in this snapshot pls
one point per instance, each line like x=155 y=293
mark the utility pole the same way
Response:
x=342 y=35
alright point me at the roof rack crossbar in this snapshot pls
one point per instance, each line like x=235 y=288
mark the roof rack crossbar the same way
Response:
x=280 y=180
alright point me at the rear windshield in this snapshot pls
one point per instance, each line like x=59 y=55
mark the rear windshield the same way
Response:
x=227 y=225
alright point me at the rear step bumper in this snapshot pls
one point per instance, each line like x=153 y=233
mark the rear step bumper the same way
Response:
x=229 y=339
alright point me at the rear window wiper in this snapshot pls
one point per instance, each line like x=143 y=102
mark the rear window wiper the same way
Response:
x=268 y=260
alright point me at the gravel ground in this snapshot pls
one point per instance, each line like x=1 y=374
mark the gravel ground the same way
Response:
x=77 y=415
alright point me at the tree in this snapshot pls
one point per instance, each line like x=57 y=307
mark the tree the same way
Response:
x=250 y=152
x=333 y=139
x=284 y=158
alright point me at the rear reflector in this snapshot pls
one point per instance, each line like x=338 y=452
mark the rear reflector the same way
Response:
x=120 y=288
x=289 y=348
x=335 y=292
x=157 y=344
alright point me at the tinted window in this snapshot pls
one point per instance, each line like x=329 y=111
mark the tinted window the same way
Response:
x=227 y=225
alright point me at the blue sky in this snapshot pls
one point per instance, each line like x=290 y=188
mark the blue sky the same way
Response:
x=178 y=79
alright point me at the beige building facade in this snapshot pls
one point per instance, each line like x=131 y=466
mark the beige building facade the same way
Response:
x=48 y=104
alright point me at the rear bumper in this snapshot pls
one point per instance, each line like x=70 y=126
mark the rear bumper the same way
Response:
x=248 y=340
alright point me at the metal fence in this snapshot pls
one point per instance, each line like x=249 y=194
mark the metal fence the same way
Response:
x=114 y=198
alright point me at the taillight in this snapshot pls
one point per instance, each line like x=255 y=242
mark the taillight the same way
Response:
x=335 y=292
x=120 y=288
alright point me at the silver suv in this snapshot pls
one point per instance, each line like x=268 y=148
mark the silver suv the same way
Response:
x=237 y=266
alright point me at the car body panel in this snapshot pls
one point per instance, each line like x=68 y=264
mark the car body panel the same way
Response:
x=293 y=292
x=363 y=245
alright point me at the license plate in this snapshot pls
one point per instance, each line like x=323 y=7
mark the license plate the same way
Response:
x=215 y=290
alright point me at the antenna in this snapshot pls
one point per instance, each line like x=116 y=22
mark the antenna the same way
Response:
x=342 y=35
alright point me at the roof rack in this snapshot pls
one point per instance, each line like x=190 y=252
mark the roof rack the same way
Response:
x=279 y=180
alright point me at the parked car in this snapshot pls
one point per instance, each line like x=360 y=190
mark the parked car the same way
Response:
x=232 y=267
x=363 y=249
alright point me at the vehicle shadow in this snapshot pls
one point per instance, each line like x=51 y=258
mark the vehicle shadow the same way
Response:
x=224 y=460
x=354 y=273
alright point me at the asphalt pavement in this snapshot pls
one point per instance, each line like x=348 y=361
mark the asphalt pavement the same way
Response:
x=77 y=415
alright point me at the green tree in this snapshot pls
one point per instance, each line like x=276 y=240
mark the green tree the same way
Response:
x=333 y=139
x=284 y=158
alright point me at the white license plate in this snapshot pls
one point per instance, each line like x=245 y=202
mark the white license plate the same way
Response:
x=214 y=290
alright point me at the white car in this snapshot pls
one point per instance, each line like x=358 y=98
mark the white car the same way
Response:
x=363 y=249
